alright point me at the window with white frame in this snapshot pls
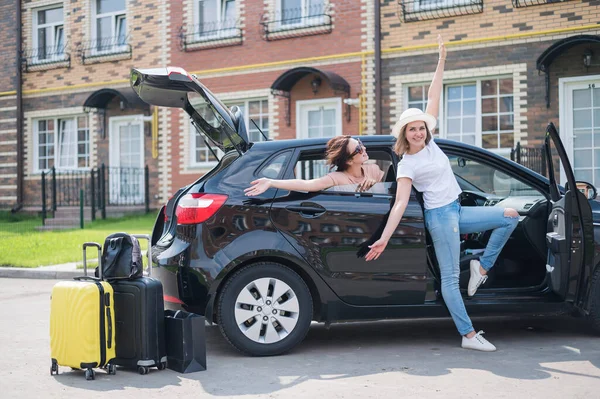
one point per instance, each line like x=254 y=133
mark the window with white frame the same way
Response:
x=479 y=112
x=300 y=12
x=214 y=19
x=63 y=143
x=109 y=26
x=48 y=34
x=256 y=110
x=417 y=98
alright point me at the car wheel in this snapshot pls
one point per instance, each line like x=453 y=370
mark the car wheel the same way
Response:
x=594 y=315
x=264 y=309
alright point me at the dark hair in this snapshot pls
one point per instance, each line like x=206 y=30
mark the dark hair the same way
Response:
x=337 y=152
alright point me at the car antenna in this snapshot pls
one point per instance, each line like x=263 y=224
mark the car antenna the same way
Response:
x=261 y=132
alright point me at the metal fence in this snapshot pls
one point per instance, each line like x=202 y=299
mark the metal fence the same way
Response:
x=533 y=158
x=96 y=188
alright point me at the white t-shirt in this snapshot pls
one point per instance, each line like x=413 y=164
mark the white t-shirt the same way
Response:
x=431 y=175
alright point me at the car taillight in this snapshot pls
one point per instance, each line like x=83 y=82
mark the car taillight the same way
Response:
x=196 y=208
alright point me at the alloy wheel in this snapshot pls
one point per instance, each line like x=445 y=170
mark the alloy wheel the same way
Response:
x=267 y=310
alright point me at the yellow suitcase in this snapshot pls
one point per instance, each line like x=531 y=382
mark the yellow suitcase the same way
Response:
x=82 y=324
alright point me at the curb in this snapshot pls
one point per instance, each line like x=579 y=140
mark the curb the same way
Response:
x=18 y=272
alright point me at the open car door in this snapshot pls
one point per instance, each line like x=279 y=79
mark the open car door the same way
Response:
x=569 y=226
x=174 y=87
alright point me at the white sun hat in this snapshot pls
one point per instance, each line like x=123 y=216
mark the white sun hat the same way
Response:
x=413 y=115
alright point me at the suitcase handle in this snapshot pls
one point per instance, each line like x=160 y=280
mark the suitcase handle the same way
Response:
x=149 y=253
x=92 y=244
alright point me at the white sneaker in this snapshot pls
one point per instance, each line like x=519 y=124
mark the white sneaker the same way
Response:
x=476 y=278
x=478 y=343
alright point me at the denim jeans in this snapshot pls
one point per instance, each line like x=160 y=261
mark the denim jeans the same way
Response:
x=445 y=224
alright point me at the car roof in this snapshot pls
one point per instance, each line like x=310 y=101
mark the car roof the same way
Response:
x=277 y=145
x=274 y=145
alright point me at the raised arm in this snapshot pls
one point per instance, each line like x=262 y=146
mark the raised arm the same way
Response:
x=261 y=185
x=435 y=88
x=402 y=198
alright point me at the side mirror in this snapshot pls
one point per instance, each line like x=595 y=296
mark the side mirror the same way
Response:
x=585 y=188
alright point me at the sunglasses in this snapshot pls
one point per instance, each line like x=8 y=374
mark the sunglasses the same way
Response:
x=359 y=149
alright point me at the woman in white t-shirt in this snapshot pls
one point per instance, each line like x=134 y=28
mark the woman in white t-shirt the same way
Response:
x=428 y=169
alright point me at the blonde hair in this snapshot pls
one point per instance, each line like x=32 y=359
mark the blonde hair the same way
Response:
x=402 y=144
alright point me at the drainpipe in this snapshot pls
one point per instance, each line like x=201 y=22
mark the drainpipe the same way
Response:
x=378 y=67
x=20 y=135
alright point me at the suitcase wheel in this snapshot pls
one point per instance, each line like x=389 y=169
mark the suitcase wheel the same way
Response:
x=143 y=370
x=112 y=369
x=90 y=374
x=54 y=368
x=162 y=365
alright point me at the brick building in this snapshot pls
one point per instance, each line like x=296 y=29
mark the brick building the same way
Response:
x=511 y=68
x=300 y=68
x=77 y=110
x=288 y=64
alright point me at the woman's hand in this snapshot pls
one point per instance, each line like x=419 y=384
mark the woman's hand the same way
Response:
x=441 y=48
x=258 y=187
x=365 y=185
x=376 y=249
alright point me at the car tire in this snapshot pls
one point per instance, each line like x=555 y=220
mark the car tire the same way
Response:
x=243 y=321
x=594 y=315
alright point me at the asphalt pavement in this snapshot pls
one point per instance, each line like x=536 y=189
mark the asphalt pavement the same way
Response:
x=537 y=357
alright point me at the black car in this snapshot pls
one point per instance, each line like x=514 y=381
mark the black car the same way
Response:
x=263 y=268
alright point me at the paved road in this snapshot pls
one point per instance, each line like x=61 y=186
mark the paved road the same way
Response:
x=537 y=358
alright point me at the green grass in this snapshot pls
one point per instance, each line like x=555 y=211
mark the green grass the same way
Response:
x=21 y=245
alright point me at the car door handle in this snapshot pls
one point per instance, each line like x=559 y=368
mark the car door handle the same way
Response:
x=310 y=209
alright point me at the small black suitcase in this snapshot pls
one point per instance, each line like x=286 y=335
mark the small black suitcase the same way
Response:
x=139 y=321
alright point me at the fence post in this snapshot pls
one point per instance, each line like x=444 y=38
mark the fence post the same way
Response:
x=81 y=201
x=93 y=194
x=54 y=189
x=103 y=190
x=147 y=188
x=43 y=198
x=518 y=151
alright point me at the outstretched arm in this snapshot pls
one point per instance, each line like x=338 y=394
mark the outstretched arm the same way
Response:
x=402 y=198
x=261 y=185
x=435 y=89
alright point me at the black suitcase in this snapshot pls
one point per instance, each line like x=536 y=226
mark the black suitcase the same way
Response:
x=139 y=321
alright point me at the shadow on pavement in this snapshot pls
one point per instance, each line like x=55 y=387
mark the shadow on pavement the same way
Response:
x=528 y=349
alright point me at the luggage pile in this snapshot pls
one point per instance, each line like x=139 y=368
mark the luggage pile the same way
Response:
x=113 y=319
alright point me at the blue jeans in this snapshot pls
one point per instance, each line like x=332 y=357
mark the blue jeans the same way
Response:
x=445 y=224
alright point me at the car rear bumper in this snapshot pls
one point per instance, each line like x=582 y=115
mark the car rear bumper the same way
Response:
x=184 y=288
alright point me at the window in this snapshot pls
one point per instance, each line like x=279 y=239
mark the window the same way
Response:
x=273 y=168
x=301 y=12
x=312 y=165
x=417 y=98
x=62 y=142
x=48 y=35
x=257 y=110
x=479 y=112
x=422 y=5
x=109 y=31
x=214 y=19
x=461 y=113
x=475 y=176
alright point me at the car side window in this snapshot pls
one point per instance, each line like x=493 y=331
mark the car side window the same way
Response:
x=273 y=168
x=475 y=176
x=313 y=165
